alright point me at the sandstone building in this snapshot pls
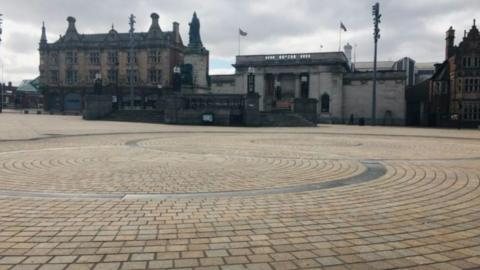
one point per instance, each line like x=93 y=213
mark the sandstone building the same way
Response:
x=70 y=66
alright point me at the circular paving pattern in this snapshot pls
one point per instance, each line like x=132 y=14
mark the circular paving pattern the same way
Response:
x=251 y=200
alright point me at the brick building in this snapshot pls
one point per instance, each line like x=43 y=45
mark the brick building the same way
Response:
x=454 y=89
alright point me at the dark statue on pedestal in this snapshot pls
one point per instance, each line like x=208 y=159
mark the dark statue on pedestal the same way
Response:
x=194 y=34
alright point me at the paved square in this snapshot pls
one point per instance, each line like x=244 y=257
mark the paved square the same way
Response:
x=111 y=195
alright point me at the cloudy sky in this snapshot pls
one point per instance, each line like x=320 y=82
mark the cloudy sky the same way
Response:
x=413 y=28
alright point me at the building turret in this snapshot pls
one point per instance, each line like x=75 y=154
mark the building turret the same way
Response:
x=155 y=26
x=71 y=33
x=43 y=38
x=154 y=32
x=450 y=43
x=473 y=34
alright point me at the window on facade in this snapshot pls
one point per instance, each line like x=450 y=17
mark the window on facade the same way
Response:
x=469 y=61
x=113 y=75
x=155 y=75
x=112 y=58
x=132 y=59
x=464 y=62
x=325 y=102
x=72 y=76
x=53 y=59
x=153 y=56
x=70 y=58
x=94 y=58
x=92 y=75
x=471 y=111
x=53 y=76
x=132 y=75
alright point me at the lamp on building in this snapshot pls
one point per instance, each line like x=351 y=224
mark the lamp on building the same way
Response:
x=97 y=87
x=177 y=79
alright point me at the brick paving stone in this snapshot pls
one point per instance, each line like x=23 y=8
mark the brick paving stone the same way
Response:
x=53 y=267
x=107 y=266
x=164 y=264
x=79 y=267
x=421 y=214
x=25 y=267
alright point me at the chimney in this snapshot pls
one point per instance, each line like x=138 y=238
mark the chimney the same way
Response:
x=176 y=31
x=450 y=41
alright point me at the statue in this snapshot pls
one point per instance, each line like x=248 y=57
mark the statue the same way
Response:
x=194 y=34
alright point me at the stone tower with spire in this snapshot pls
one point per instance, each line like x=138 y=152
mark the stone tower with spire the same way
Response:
x=197 y=57
x=43 y=49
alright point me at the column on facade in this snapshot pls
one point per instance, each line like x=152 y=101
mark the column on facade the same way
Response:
x=298 y=82
x=276 y=84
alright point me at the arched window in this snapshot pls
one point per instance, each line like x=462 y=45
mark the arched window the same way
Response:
x=325 y=102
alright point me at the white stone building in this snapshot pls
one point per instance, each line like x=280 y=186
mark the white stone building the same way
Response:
x=342 y=94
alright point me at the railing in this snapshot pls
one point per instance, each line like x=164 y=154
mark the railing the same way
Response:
x=214 y=102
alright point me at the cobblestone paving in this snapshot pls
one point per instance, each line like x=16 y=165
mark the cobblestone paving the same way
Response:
x=422 y=213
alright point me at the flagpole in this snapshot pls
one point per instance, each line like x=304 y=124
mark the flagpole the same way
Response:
x=239 y=42
x=354 y=56
x=340 y=39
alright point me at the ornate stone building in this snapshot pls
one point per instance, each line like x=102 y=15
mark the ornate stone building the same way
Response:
x=70 y=66
x=454 y=89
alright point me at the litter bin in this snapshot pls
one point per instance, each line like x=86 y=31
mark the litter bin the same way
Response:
x=361 y=121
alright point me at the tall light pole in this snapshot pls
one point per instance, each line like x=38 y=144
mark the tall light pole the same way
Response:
x=1 y=89
x=130 y=73
x=376 y=36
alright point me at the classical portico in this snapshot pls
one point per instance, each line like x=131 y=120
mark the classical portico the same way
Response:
x=282 y=78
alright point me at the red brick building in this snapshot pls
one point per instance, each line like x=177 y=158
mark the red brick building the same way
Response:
x=454 y=89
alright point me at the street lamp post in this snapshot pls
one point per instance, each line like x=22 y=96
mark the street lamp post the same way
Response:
x=97 y=88
x=376 y=36
x=132 y=45
x=177 y=79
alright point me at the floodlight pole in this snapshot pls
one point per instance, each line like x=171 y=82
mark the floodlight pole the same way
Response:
x=2 y=85
x=376 y=36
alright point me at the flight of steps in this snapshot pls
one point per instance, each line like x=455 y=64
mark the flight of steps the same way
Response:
x=285 y=119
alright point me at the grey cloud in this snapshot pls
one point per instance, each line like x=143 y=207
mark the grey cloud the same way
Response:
x=406 y=26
